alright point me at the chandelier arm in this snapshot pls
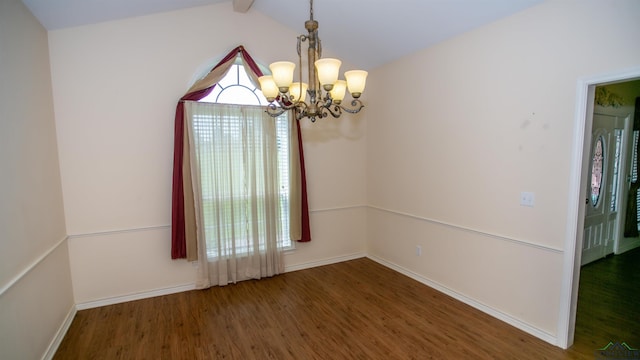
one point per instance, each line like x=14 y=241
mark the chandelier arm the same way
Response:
x=300 y=110
x=356 y=104
x=301 y=105
x=301 y=115
x=275 y=111
x=282 y=104
x=334 y=110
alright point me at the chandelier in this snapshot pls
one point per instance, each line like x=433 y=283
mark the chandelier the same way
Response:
x=324 y=91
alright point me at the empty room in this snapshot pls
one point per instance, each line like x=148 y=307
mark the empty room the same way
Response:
x=197 y=179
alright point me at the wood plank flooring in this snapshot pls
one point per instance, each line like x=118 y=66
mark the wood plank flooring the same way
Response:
x=352 y=310
x=609 y=302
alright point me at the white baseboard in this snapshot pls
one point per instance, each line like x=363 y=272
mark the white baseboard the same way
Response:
x=541 y=334
x=136 y=296
x=62 y=331
x=628 y=246
x=327 y=261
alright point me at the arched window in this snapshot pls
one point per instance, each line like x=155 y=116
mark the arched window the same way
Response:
x=236 y=88
x=243 y=156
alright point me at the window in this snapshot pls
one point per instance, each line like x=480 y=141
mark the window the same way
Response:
x=597 y=170
x=236 y=88
x=618 y=133
x=228 y=134
x=634 y=169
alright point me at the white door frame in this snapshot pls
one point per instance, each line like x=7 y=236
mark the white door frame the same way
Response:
x=585 y=90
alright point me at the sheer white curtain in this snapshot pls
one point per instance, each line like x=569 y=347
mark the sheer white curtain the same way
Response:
x=234 y=166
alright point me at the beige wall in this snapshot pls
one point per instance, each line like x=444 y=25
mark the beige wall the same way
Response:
x=115 y=87
x=475 y=121
x=35 y=297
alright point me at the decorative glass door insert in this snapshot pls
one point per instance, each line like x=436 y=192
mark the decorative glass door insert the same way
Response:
x=597 y=170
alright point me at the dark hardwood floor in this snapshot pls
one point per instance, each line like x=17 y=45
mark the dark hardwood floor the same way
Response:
x=351 y=310
x=609 y=302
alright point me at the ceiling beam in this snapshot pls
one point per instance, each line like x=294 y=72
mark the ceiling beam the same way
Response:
x=242 y=6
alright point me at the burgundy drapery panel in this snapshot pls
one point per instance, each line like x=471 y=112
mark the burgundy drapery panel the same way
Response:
x=198 y=91
x=306 y=228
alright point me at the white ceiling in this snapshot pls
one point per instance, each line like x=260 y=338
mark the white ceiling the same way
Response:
x=366 y=33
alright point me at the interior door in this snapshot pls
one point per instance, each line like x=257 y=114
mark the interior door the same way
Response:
x=602 y=198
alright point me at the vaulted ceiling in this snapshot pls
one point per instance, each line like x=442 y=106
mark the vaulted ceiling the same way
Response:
x=366 y=33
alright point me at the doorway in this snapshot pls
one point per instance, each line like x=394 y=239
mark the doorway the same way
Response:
x=578 y=188
x=606 y=189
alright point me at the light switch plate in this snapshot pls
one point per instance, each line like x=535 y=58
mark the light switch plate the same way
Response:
x=527 y=198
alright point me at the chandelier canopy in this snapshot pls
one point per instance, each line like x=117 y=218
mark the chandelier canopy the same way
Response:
x=325 y=92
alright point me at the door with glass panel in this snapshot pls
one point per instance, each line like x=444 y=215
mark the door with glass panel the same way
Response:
x=603 y=195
